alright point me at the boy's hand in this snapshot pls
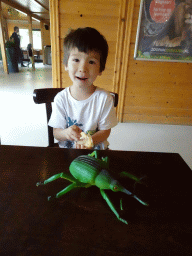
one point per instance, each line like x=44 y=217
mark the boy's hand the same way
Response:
x=81 y=146
x=85 y=142
x=73 y=133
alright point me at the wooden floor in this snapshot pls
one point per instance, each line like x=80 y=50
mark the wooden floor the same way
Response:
x=22 y=122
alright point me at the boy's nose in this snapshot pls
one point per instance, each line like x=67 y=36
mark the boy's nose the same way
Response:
x=83 y=67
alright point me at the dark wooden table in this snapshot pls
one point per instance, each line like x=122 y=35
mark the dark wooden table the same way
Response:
x=80 y=222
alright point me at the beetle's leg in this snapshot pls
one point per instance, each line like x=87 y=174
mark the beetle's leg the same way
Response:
x=62 y=192
x=57 y=176
x=121 y=204
x=106 y=160
x=54 y=177
x=68 y=176
x=67 y=189
x=94 y=154
x=104 y=195
x=131 y=176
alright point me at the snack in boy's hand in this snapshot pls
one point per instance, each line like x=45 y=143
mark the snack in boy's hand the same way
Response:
x=86 y=140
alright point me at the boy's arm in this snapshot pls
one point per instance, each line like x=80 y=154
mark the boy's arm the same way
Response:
x=74 y=133
x=100 y=136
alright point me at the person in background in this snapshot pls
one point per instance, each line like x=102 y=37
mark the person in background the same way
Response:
x=30 y=54
x=83 y=107
x=16 y=37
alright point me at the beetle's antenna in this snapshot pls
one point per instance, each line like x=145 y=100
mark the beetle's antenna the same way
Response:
x=140 y=201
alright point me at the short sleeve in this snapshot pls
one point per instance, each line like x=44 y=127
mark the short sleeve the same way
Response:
x=108 y=117
x=58 y=116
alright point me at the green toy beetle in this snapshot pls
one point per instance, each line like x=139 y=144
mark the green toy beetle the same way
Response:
x=88 y=170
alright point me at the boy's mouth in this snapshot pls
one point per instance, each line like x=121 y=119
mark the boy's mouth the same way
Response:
x=81 y=78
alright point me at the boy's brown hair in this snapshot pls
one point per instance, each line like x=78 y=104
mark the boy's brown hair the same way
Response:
x=85 y=40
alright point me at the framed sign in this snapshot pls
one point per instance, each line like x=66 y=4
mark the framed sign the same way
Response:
x=164 y=31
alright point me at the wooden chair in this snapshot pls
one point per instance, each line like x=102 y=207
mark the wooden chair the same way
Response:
x=47 y=96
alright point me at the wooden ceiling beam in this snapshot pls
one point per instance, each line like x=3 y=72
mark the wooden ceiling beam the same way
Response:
x=22 y=9
x=16 y=6
x=42 y=5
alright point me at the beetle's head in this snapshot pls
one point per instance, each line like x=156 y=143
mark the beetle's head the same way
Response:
x=115 y=186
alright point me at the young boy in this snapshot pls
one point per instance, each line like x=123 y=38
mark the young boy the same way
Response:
x=83 y=107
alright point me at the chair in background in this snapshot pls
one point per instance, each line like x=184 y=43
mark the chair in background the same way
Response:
x=47 y=96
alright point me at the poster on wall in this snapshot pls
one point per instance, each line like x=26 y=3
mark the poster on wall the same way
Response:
x=164 y=31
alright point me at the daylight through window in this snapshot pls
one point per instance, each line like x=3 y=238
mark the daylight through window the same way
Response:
x=24 y=34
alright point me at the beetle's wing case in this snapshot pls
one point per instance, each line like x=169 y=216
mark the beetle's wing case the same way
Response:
x=85 y=169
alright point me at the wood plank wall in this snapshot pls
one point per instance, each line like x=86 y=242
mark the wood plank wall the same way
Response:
x=150 y=92
x=100 y=14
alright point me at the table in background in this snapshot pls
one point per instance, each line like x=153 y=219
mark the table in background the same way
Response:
x=80 y=222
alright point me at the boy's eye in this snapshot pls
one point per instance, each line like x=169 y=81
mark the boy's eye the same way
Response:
x=91 y=62
x=75 y=60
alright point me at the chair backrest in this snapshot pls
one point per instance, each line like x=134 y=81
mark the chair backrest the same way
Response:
x=47 y=95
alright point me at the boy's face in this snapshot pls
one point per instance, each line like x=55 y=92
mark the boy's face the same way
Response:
x=83 y=68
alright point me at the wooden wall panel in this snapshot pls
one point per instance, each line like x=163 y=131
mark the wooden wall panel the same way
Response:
x=123 y=52
x=156 y=92
x=55 y=43
x=2 y=42
x=107 y=8
x=102 y=15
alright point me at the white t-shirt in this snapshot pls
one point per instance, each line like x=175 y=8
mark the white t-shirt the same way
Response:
x=90 y=115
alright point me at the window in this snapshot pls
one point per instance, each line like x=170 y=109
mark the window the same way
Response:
x=24 y=34
x=37 y=39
